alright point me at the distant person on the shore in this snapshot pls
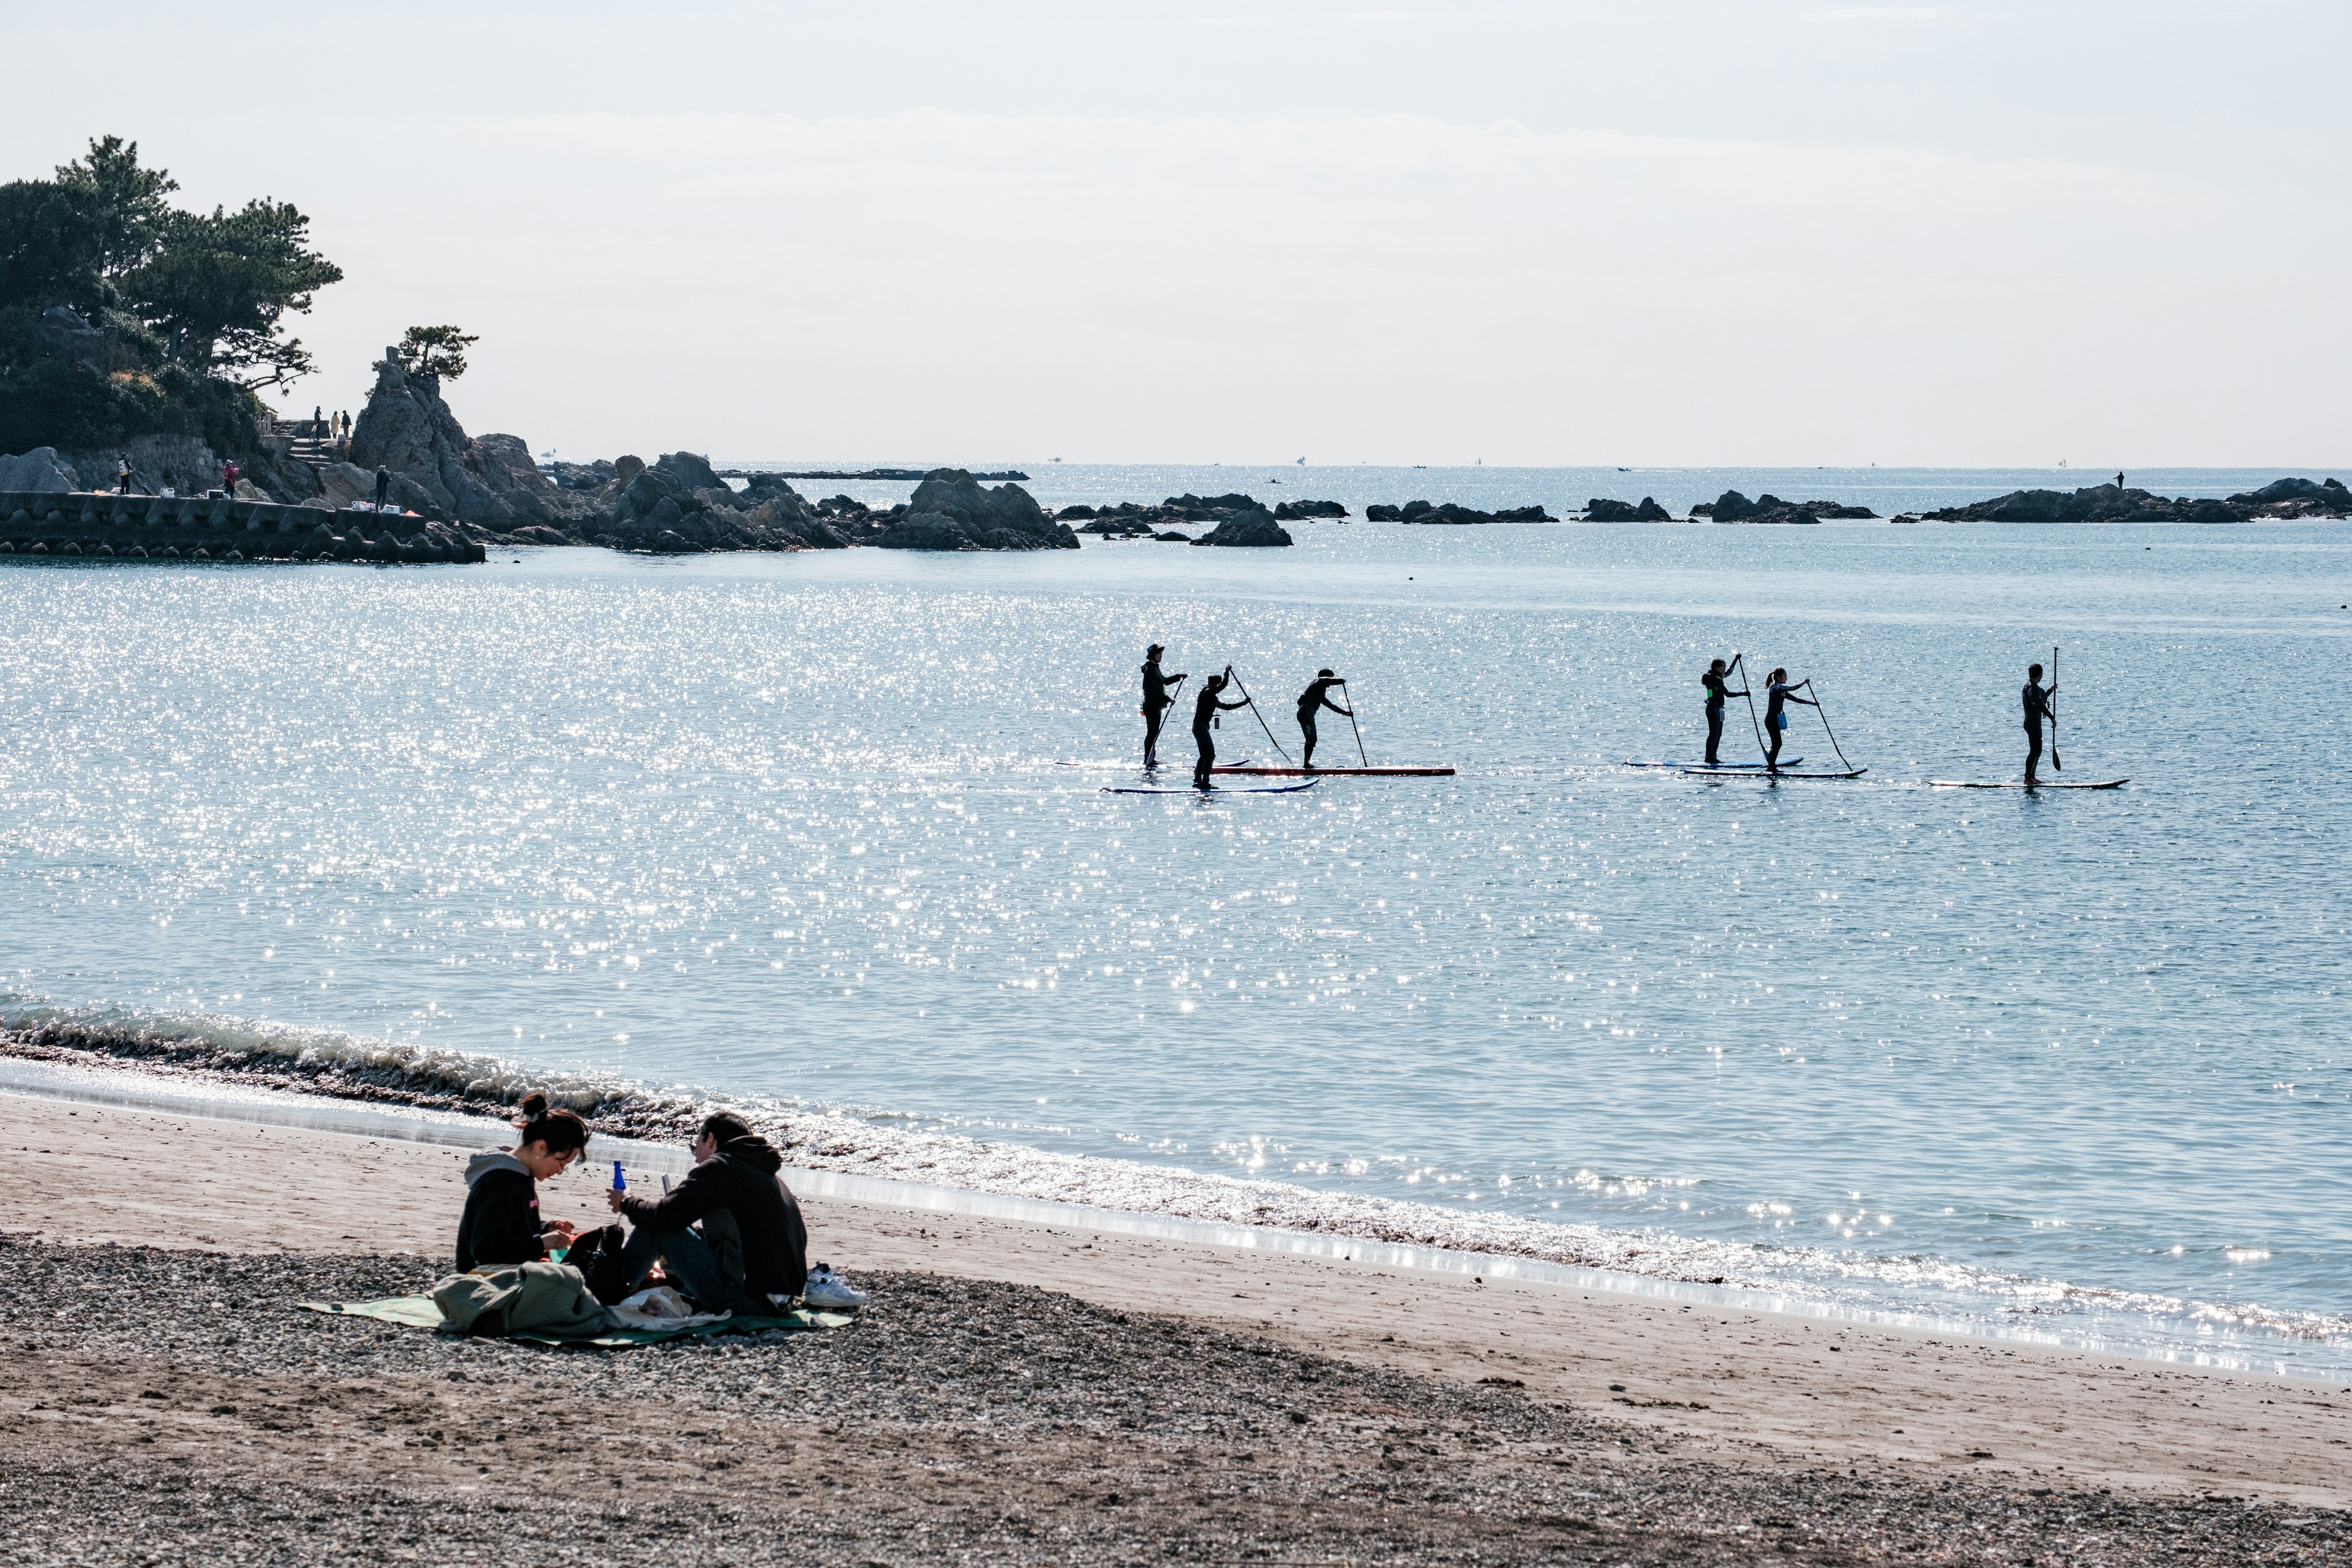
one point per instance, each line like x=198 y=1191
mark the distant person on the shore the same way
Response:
x=1312 y=701
x=2037 y=698
x=1156 y=702
x=383 y=484
x=1776 y=719
x=317 y=421
x=230 y=474
x=753 y=1244
x=502 y=1224
x=123 y=476
x=1718 y=689
x=1205 y=709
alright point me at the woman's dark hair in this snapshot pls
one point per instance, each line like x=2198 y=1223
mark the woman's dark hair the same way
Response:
x=725 y=1127
x=561 y=1131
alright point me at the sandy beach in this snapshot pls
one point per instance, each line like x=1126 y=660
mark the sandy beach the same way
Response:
x=1009 y=1377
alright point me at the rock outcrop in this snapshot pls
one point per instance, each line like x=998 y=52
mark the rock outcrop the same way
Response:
x=1255 y=528
x=40 y=470
x=1128 y=520
x=2289 y=498
x=488 y=482
x=678 y=506
x=1733 y=507
x=1449 y=514
x=1309 y=510
x=1600 y=508
x=952 y=511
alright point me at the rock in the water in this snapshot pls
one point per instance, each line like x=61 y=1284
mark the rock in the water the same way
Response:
x=1306 y=510
x=40 y=470
x=952 y=511
x=1447 y=513
x=1733 y=507
x=678 y=506
x=1601 y=509
x=2116 y=504
x=1251 y=529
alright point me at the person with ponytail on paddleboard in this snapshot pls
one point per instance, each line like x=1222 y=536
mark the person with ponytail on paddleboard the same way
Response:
x=1313 y=701
x=2037 y=698
x=1778 y=692
x=1156 y=702
x=1205 y=709
x=1718 y=690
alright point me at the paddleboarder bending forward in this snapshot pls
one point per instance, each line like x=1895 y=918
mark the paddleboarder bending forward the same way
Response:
x=1717 y=690
x=2037 y=709
x=1776 y=719
x=1313 y=701
x=1205 y=714
x=1156 y=702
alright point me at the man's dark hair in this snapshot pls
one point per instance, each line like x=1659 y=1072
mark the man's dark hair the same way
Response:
x=725 y=1127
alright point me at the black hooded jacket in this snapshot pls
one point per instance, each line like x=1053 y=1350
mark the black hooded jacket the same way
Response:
x=740 y=1179
x=500 y=1224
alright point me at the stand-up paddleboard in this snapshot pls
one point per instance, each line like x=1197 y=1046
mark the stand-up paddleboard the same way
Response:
x=1142 y=767
x=2021 y=783
x=1760 y=773
x=1213 y=789
x=1399 y=772
x=1712 y=767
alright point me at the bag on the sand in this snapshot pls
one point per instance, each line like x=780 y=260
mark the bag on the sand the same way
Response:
x=548 y=1299
x=597 y=1255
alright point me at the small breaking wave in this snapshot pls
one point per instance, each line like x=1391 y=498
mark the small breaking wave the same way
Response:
x=310 y=1062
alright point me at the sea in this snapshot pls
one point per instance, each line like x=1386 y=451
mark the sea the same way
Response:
x=840 y=838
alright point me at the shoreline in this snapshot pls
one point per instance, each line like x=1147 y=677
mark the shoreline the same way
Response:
x=1728 y=1382
x=333 y=1068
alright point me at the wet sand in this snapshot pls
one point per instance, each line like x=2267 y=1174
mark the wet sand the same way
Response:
x=1596 y=1401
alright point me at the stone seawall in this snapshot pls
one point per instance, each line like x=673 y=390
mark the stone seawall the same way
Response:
x=216 y=528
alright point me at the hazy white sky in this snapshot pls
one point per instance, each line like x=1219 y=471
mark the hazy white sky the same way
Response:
x=1656 y=232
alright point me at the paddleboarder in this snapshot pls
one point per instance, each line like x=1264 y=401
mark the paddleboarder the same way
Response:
x=1778 y=692
x=1156 y=702
x=1205 y=708
x=2037 y=698
x=1312 y=701
x=1717 y=691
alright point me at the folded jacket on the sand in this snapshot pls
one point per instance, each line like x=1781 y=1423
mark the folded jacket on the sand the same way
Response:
x=546 y=1298
x=424 y=1312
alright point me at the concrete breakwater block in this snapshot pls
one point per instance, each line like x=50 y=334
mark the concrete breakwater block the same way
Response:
x=106 y=525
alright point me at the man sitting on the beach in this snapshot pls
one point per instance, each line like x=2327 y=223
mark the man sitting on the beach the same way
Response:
x=733 y=1188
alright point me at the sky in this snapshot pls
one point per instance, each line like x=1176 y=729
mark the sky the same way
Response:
x=1669 y=232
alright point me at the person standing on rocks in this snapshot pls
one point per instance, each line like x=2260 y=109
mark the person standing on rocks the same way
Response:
x=1718 y=690
x=1205 y=709
x=383 y=484
x=1778 y=692
x=1312 y=701
x=1156 y=702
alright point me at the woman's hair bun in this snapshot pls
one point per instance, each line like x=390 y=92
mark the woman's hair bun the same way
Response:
x=534 y=1104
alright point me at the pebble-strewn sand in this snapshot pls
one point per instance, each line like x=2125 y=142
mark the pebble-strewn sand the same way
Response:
x=1023 y=1395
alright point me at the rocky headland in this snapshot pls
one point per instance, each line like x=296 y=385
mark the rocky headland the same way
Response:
x=2281 y=499
x=1447 y=513
x=1767 y=508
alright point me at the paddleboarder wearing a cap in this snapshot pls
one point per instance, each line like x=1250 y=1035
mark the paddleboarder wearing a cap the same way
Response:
x=1312 y=701
x=1156 y=702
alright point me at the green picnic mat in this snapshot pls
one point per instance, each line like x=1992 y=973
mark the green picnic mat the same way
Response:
x=421 y=1312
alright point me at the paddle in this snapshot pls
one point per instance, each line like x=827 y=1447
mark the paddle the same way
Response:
x=1256 y=715
x=1761 y=749
x=1825 y=722
x=1352 y=725
x=2056 y=766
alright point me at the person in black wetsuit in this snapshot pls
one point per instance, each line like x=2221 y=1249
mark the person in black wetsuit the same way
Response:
x=1775 y=720
x=501 y=1226
x=1205 y=708
x=1718 y=688
x=1156 y=702
x=1313 y=701
x=2037 y=709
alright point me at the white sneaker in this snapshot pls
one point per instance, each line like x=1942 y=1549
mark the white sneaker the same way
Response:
x=829 y=1292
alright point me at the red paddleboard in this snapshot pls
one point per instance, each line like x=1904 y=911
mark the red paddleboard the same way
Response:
x=2021 y=783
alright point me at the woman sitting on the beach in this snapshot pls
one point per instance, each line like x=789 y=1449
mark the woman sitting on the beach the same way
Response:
x=501 y=1226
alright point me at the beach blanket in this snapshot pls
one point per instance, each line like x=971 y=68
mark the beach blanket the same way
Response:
x=425 y=1313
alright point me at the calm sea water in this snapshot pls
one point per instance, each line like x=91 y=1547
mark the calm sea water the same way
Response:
x=802 y=827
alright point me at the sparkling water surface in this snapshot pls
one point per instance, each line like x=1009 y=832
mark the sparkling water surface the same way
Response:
x=803 y=826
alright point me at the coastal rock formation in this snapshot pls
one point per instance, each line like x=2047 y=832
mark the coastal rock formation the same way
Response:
x=488 y=482
x=1733 y=507
x=1252 y=529
x=1600 y=508
x=39 y=470
x=952 y=511
x=679 y=507
x=2289 y=498
x=1127 y=519
x=1307 y=510
x=1422 y=512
